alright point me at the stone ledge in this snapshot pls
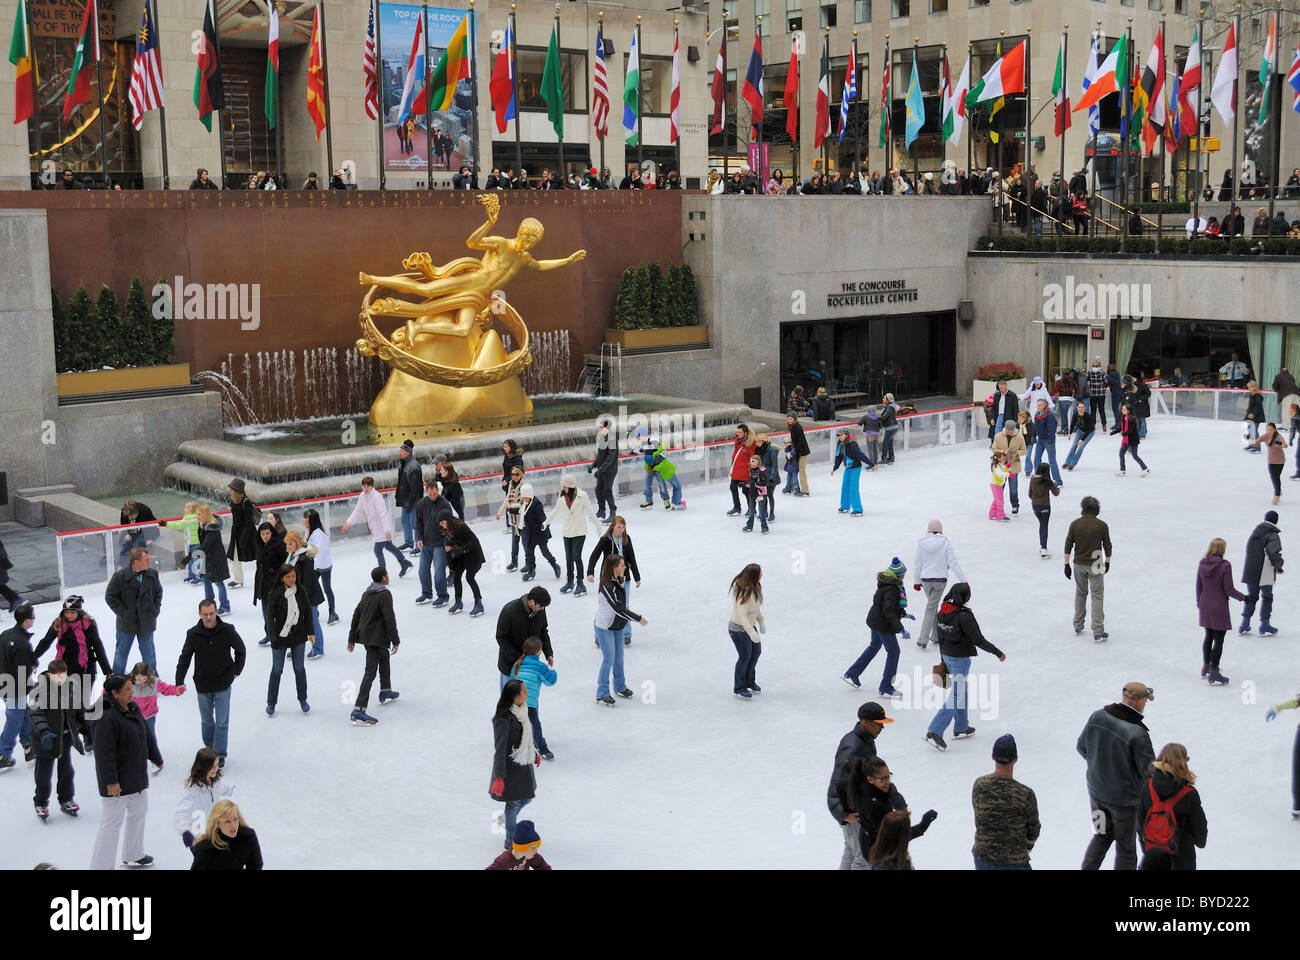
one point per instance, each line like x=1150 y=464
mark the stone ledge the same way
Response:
x=29 y=503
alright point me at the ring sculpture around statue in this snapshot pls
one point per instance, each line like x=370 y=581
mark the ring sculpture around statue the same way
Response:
x=373 y=343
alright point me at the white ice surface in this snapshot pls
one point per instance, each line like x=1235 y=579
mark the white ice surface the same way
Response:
x=687 y=775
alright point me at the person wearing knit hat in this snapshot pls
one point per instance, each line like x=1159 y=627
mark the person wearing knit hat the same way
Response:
x=523 y=853
x=1263 y=565
x=243 y=533
x=885 y=620
x=574 y=510
x=1006 y=813
x=935 y=557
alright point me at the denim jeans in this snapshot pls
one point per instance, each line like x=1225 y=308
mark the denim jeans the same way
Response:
x=536 y=721
x=298 y=652
x=512 y=818
x=1252 y=596
x=677 y=490
x=221 y=592
x=191 y=563
x=985 y=865
x=152 y=724
x=1064 y=407
x=1078 y=441
x=1127 y=450
x=650 y=478
x=1013 y=483
x=387 y=545
x=1038 y=224
x=1044 y=514
x=878 y=639
x=124 y=650
x=887 y=443
x=747 y=654
x=761 y=503
x=318 y=646
x=1142 y=428
x=408 y=527
x=437 y=557
x=850 y=497
x=214 y=720
x=1048 y=447
x=17 y=729
x=611 y=656
x=955 y=706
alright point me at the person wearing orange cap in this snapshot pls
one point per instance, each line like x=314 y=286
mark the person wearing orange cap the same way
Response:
x=523 y=853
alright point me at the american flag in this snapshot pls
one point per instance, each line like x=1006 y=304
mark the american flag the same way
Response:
x=368 y=67
x=599 y=89
x=146 y=76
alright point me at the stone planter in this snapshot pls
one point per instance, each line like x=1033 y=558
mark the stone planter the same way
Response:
x=982 y=388
x=123 y=381
x=660 y=337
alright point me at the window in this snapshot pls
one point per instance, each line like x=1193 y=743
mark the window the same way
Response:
x=1155 y=4
x=829 y=16
x=793 y=6
x=794 y=24
x=573 y=66
x=938 y=6
x=1126 y=3
x=656 y=84
x=1180 y=6
x=900 y=8
x=763 y=8
x=861 y=11
x=979 y=3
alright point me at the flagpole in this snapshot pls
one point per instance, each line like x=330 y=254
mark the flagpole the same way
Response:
x=970 y=123
x=221 y=113
x=279 y=127
x=1065 y=93
x=1275 y=89
x=826 y=47
x=1196 y=200
x=865 y=100
x=677 y=151
x=640 y=107
x=1126 y=93
x=473 y=87
x=756 y=128
x=325 y=78
x=162 y=109
x=379 y=76
x=1236 y=109
x=945 y=69
x=857 y=132
x=726 y=145
x=1029 y=114
x=99 y=82
x=560 y=51
x=916 y=150
x=36 y=93
x=600 y=32
x=1092 y=195
x=428 y=100
x=1160 y=216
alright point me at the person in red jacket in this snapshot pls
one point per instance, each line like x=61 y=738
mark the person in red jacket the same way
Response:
x=743 y=449
x=1214 y=585
x=522 y=854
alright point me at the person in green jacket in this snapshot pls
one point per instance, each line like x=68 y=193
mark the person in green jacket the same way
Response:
x=658 y=465
x=1295 y=753
x=189 y=524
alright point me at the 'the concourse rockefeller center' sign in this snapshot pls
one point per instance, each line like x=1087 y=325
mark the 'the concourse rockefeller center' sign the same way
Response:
x=868 y=293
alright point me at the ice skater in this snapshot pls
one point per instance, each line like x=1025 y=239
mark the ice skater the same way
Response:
x=605 y=466
x=744 y=627
x=374 y=626
x=1088 y=539
x=851 y=457
x=514 y=756
x=1214 y=585
x=574 y=510
x=1045 y=440
x=1262 y=568
x=1084 y=428
x=756 y=491
x=885 y=621
x=1276 y=446
x=935 y=557
x=998 y=475
x=464 y=559
x=615 y=541
x=57 y=729
x=959 y=636
x=1041 y=491
x=532 y=670
x=612 y=615
x=1129 y=439
x=146 y=689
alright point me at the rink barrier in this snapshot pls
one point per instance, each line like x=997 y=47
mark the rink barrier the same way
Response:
x=89 y=556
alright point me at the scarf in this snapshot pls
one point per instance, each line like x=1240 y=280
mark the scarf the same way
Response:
x=291 y=606
x=525 y=752
x=82 y=649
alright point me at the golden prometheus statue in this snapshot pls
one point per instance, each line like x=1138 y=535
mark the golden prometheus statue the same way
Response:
x=449 y=367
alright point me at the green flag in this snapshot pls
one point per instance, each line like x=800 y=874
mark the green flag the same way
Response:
x=632 y=95
x=552 y=91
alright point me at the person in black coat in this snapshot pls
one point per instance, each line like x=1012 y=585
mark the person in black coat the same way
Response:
x=215 y=568
x=1169 y=778
x=959 y=635
x=57 y=729
x=520 y=619
x=6 y=591
x=801 y=451
x=228 y=843
x=872 y=793
x=605 y=467
x=243 y=532
x=449 y=484
x=615 y=539
x=432 y=509
x=17 y=666
x=823 y=406
x=464 y=559
x=300 y=556
x=534 y=534
x=410 y=488
x=289 y=620
x=123 y=746
x=885 y=620
x=218 y=653
x=514 y=756
x=271 y=555
x=374 y=627
x=512 y=456
x=135 y=593
x=858 y=744
x=139 y=536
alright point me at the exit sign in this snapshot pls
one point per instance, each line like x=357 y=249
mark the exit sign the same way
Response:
x=1097 y=333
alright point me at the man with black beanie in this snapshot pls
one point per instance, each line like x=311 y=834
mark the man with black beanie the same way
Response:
x=520 y=619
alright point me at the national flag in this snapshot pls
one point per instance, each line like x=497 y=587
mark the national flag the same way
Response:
x=945 y=100
x=368 y=66
x=209 y=94
x=1089 y=75
x=1188 y=85
x=632 y=95
x=413 y=89
x=675 y=97
x=1293 y=78
x=792 y=93
x=823 y=129
x=1174 y=128
x=886 y=120
x=20 y=55
x=271 y=89
x=146 y=75
x=752 y=90
x=87 y=53
x=453 y=66
x=719 y=88
x=501 y=88
x=975 y=95
x=915 y=118
x=1112 y=76
x=1061 y=94
x=957 y=104
x=600 y=88
x=1223 y=93
x=1153 y=93
x=316 y=76
x=1131 y=124
x=1267 y=67
x=850 y=89
x=552 y=87
x=1006 y=76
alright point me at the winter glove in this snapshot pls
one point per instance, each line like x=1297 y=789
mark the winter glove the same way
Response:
x=1068 y=572
x=1107 y=570
x=916 y=587
x=498 y=787
x=47 y=741
x=928 y=818
x=537 y=759
x=1270 y=716
x=188 y=838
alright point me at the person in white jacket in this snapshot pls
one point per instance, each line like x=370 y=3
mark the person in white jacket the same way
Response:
x=935 y=557
x=1037 y=391
x=203 y=788
x=744 y=627
x=372 y=508
x=574 y=510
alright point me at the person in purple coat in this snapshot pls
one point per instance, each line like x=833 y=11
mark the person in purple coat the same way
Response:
x=1213 y=588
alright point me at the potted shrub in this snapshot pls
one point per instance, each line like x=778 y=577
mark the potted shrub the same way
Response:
x=990 y=375
x=654 y=309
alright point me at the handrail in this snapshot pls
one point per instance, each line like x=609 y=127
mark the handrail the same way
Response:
x=1045 y=214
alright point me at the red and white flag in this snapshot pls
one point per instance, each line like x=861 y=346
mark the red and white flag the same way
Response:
x=792 y=93
x=719 y=89
x=368 y=67
x=675 y=98
x=146 y=76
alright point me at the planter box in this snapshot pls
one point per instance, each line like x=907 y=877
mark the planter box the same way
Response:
x=661 y=337
x=982 y=388
x=122 y=381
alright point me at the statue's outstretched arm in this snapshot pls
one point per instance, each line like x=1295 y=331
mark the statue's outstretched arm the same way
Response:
x=556 y=264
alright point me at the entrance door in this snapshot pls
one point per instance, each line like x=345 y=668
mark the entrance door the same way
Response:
x=1065 y=351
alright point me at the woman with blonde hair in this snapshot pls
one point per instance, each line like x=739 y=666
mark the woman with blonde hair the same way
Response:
x=228 y=843
x=302 y=557
x=1214 y=585
x=1170 y=816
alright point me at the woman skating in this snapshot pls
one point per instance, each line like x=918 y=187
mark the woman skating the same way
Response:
x=612 y=615
x=243 y=533
x=1129 y=439
x=271 y=555
x=848 y=454
x=464 y=559
x=1275 y=444
x=1041 y=491
x=449 y=482
x=745 y=626
x=616 y=541
x=289 y=620
x=959 y=636
x=75 y=638
x=1169 y=840
x=1214 y=585
x=513 y=510
x=228 y=843
x=318 y=537
x=213 y=568
x=514 y=756
x=573 y=510
x=301 y=557
x=885 y=621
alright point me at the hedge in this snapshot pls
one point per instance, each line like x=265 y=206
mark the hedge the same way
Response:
x=1169 y=247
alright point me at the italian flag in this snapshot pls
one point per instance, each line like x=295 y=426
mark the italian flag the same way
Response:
x=1266 y=68
x=1061 y=94
x=272 y=95
x=1006 y=76
x=87 y=53
x=20 y=55
x=945 y=93
x=955 y=109
x=1108 y=81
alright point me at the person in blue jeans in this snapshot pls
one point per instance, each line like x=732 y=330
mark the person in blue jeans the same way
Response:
x=959 y=635
x=134 y=593
x=612 y=616
x=851 y=457
x=432 y=509
x=1045 y=440
x=17 y=673
x=218 y=654
x=885 y=620
x=1084 y=428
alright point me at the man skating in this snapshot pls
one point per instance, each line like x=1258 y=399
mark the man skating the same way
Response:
x=374 y=627
x=1088 y=539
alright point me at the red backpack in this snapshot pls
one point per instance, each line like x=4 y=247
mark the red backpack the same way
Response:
x=1160 y=827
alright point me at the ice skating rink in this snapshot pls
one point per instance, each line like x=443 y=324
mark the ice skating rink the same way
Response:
x=687 y=775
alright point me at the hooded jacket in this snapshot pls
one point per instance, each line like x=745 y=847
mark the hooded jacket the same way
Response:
x=886 y=613
x=573 y=516
x=136 y=602
x=270 y=557
x=1117 y=746
x=373 y=623
x=934 y=558
x=958 y=632
x=1213 y=588
x=1264 y=542
x=1037 y=391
